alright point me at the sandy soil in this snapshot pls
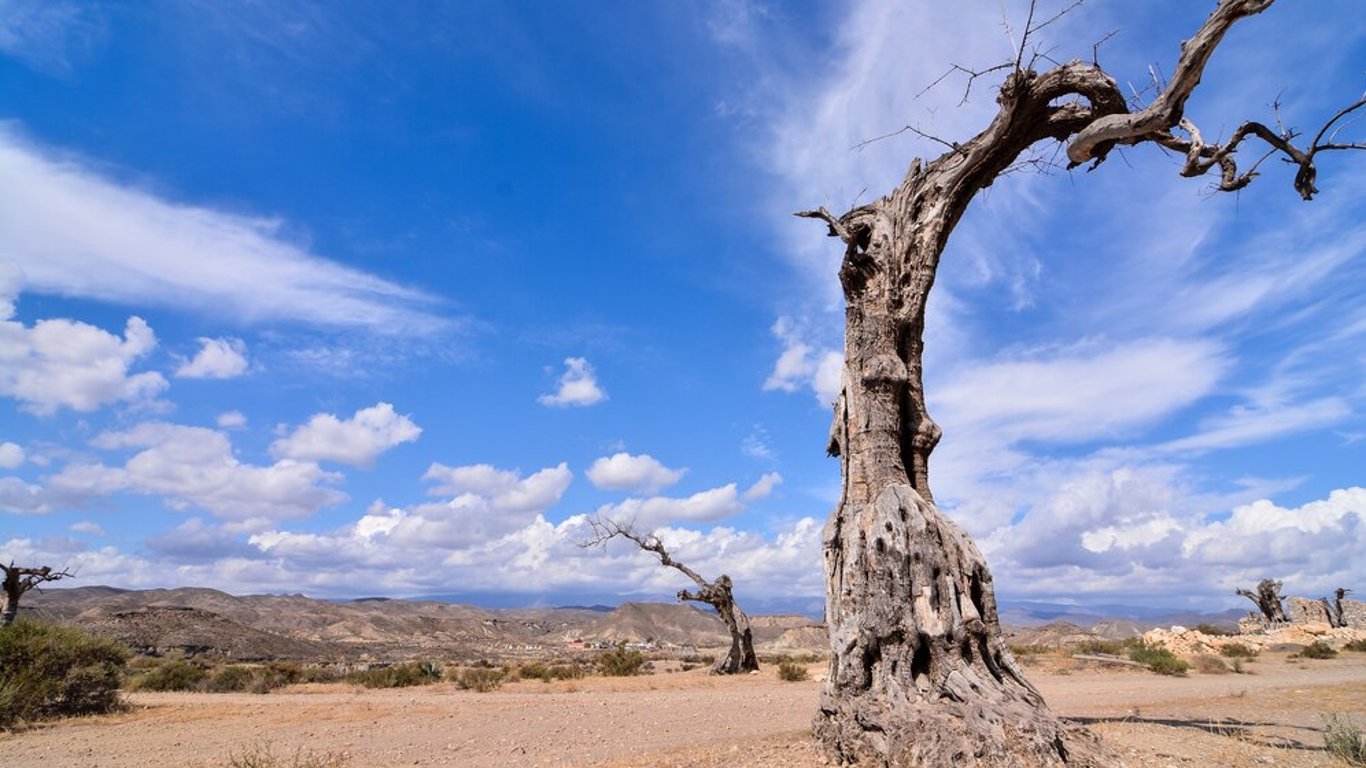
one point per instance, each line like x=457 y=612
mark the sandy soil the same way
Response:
x=1272 y=717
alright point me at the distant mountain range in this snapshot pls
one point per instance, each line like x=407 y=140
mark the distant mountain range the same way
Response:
x=197 y=620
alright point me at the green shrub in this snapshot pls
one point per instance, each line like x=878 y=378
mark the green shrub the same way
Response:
x=172 y=675
x=535 y=670
x=48 y=671
x=1316 y=650
x=1236 y=651
x=480 y=679
x=397 y=676
x=1358 y=646
x=1342 y=738
x=792 y=671
x=1029 y=650
x=233 y=677
x=1159 y=660
x=621 y=662
x=1211 y=630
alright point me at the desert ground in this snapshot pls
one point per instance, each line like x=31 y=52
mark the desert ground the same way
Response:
x=1269 y=717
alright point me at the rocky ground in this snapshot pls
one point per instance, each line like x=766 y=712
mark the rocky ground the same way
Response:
x=1271 y=717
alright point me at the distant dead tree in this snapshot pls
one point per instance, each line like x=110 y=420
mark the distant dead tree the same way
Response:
x=717 y=594
x=920 y=674
x=19 y=580
x=1268 y=600
x=1337 y=617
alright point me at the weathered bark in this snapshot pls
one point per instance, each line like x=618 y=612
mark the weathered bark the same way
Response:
x=1335 y=612
x=19 y=580
x=1268 y=600
x=718 y=594
x=920 y=674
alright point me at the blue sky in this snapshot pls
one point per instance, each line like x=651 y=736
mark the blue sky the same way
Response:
x=355 y=299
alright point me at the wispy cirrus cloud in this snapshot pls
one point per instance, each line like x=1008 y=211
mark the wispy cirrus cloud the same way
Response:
x=78 y=231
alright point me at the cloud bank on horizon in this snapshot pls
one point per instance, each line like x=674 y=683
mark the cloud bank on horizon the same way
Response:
x=340 y=312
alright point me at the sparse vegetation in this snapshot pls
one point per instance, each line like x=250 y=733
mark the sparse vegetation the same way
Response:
x=1029 y=650
x=1209 y=664
x=1097 y=645
x=171 y=675
x=480 y=679
x=1236 y=651
x=792 y=671
x=1205 y=628
x=402 y=675
x=1316 y=650
x=548 y=672
x=1358 y=646
x=621 y=661
x=1159 y=660
x=1343 y=739
x=48 y=671
x=263 y=756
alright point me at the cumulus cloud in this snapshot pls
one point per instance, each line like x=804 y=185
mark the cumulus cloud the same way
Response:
x=763 y=487
x=504 y=490
x=803 y=364
x=59 y=363
x=624 y=472
x=78 y=232
x=703 y=506
x=578 y=385
x=231 y=420
x=21 y=498
x=216 y=359
x=356 y=441
x=11 y=455
x=194 y=468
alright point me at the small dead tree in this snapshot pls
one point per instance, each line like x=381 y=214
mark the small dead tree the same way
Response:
x=717 y=594
x=19 y=580
x=920 y=674
x=1268 y=600
x=1337 y=617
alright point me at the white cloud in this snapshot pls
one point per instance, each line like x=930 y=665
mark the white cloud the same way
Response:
x=764 y=486
x=87 y=527
x=804 y=364
x=194 y=467
x=652 y=512
x=231 y=420
x=60 y=363
x=1246 y=425
x=77 y=232
x=1081 y=393
x=216 y=359
x=11 y=455
x=578 y=385
x=47 y=35
x=21 y=498
x=356 y=441
x=624 y=471
x=504 y=490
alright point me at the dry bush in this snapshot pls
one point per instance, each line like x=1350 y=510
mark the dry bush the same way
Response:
x=1358 y=646
x=792 y=671
x=171 y=675
x=1237 y=650
x=397 y=676
x=1343 y=739
x=479 y=679
x=1209 y=664
x=1316 y=650
x=263 y=756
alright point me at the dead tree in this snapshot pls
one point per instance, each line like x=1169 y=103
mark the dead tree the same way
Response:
x=1337 y=617
x=920 y=674
x=1268 y=600
x=19 y=580
x=717 y=594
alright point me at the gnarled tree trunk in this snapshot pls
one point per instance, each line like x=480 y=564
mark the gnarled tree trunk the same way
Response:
x=1268 y=600
x=18 y=581
x=718 y=594
x=920 y=675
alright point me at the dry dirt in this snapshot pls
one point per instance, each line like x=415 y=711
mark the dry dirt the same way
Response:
x=1269 y=718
